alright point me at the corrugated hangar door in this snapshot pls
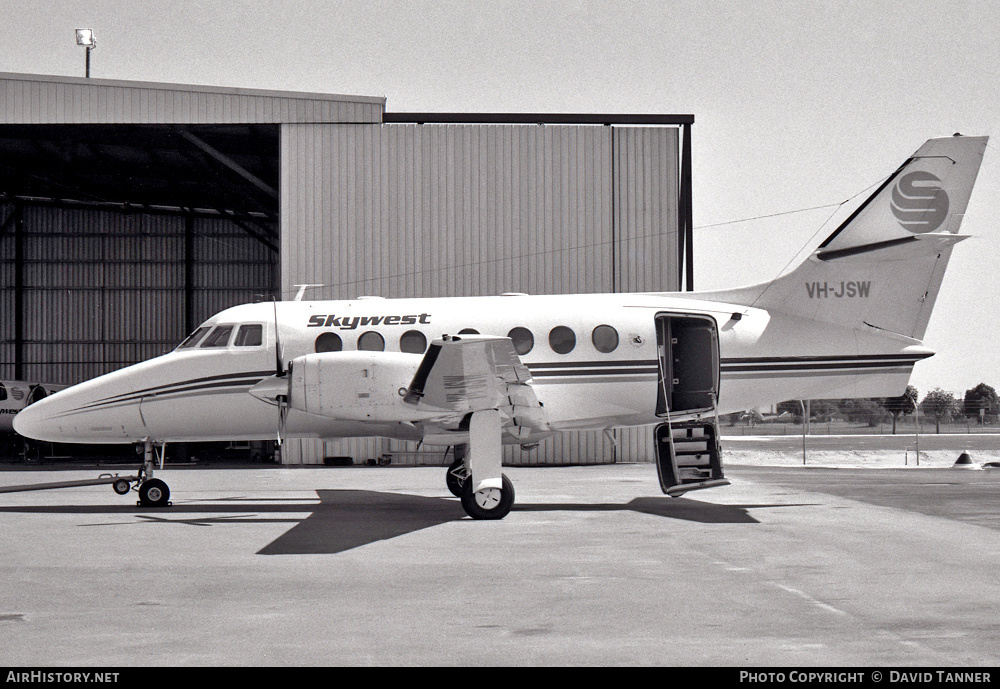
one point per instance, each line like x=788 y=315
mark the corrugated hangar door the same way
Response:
x=411 y=210
x=102 y=289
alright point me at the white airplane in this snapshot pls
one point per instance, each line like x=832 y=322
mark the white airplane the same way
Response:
x=847 y=322
x=15 y=395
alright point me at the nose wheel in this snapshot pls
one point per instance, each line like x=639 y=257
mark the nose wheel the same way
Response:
x=154 y=493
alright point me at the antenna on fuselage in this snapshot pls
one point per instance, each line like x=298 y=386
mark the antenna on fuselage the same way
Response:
x=302 y=290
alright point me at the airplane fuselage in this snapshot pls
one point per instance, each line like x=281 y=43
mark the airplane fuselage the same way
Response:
x=596 y=361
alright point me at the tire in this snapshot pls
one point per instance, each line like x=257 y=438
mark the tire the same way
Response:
x=154 y=493
x=490 y=503
x=122 y=487
x=456 y=477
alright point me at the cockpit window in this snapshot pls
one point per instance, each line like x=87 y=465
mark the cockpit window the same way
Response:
x=218 y=337
x=194 y=337
x=250 y=335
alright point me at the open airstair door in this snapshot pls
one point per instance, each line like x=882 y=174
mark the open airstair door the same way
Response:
x=688 y=350
x=688 y=453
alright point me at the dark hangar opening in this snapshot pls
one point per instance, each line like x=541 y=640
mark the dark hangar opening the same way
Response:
x=210 y=170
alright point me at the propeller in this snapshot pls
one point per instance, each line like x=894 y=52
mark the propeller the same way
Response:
x=280 y=374
x=277 y=388
x=278 y=365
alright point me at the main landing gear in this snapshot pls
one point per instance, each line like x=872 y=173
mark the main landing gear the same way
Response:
x=487 y=503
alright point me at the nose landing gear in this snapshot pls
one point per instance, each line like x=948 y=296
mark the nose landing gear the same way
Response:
x=152 y=491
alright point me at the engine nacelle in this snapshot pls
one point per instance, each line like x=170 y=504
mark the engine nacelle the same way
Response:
x=357 y=386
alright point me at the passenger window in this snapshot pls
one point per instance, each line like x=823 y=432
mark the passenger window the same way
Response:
x=523 y=340
x=371 y=341
x=250 y=336
x=329 y=342
x=413 y=342
x=605 y=338
x=194 y=337
x=218 y=337
x=562 y=339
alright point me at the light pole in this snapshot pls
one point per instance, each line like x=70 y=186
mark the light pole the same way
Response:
x=85 y=37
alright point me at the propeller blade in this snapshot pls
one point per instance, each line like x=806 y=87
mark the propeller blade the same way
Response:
x=278 y=364
x=282 y=416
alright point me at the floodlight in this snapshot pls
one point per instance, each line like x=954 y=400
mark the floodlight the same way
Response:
x=85 y=37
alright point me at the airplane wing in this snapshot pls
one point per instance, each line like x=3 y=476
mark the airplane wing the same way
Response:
x=474 y=373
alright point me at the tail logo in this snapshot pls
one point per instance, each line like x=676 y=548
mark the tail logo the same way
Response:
x=919 y=203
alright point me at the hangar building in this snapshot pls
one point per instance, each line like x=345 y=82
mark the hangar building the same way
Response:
x=132 y=211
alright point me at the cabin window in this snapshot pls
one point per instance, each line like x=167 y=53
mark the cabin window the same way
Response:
x=562 y=339
x=413 y=342
x=194 y=337
x=329 y=342
x=218 y=337
x=605 y=338
x=371 y=341
x=250 y=335
x=523 y=340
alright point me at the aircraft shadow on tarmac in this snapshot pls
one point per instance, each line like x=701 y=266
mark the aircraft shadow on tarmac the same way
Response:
x=346 y=519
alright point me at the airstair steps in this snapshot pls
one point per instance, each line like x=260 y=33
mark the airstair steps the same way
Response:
x=688 y=456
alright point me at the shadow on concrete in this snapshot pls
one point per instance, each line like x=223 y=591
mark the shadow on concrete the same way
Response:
x=346 y=519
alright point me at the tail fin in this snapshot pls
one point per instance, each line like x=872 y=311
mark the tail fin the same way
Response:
x=882 y=268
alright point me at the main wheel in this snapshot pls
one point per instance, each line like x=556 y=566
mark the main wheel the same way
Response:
x=456 y=477
x=489 y=503
x=154 y=493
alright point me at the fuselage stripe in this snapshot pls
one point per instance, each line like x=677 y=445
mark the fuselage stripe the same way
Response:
x=623 y=371
x=175 y=390
x=160 y=389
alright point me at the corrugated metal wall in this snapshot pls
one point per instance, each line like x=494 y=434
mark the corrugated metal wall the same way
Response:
x=411 y=210
x=408 y=210
x=7 y=294
x=33 y=99
x=103 y=289
x=646 y=209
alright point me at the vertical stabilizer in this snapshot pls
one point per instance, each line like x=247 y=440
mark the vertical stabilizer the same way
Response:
x=882 y=268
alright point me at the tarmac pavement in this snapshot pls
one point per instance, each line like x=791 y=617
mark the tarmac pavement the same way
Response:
x=277 y=566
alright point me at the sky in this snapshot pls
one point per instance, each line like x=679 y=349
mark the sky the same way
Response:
x=797 y=105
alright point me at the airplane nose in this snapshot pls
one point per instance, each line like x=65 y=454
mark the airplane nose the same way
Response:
x=32 y=421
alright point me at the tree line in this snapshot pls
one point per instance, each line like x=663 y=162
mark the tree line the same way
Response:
x=979 y=405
